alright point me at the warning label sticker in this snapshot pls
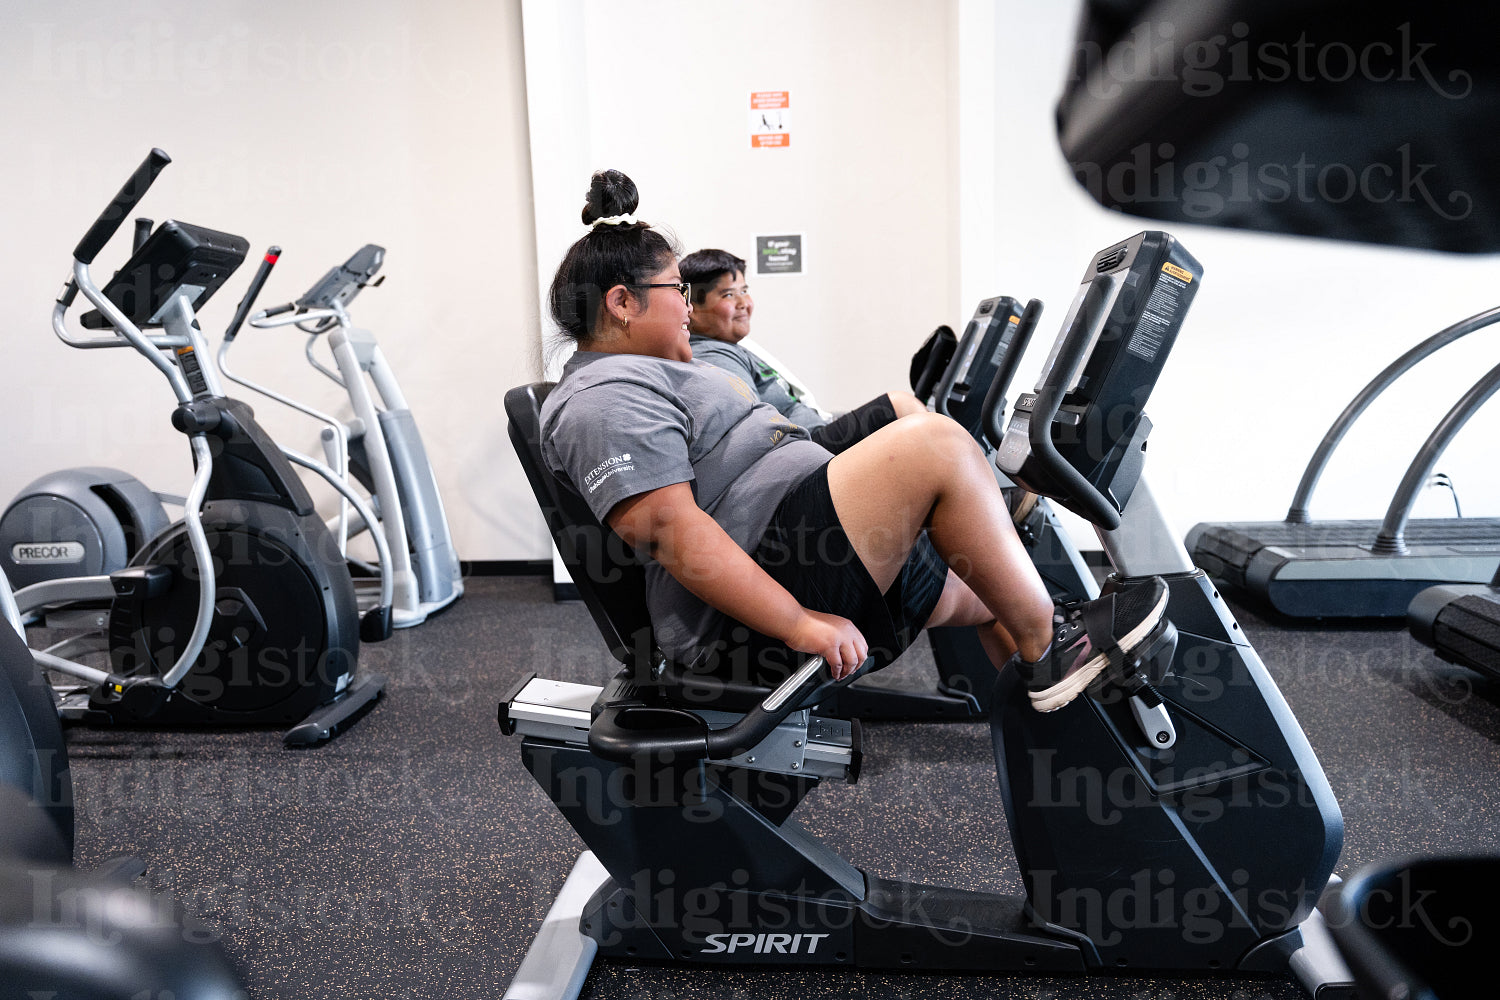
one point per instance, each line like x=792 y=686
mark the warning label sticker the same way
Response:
x=1160 y=313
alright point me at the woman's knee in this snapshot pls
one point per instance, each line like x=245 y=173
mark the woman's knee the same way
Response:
x=942 y=439
x=905 y=404
x=927 y=427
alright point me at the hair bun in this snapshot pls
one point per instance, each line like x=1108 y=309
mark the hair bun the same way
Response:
x=610 y=193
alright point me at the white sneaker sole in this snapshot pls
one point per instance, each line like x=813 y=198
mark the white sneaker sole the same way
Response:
x=1070 y=687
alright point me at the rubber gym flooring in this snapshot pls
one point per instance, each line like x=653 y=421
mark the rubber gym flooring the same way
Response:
x=414 y=857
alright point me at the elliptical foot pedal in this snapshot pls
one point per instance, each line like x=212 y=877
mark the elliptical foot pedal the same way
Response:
x=327 y=721
x=375 y=624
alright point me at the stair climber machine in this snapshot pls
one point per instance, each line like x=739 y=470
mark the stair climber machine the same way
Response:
x=1304 y=568
x=380 y=447
x=1221 y=830
x=242 y=613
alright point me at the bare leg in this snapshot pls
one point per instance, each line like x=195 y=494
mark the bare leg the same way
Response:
x=904 y=403
x=960 y=606
x=926 y=471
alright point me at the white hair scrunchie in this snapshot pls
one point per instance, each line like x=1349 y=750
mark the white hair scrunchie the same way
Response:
x=614 y=220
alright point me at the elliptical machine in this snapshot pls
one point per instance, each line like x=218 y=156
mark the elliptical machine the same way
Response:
x=1221 y=830
x=269 y=636
x=379 y=447
x=83 y=521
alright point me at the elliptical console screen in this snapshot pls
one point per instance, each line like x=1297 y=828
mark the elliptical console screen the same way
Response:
x=176 y=258
x=342 y=283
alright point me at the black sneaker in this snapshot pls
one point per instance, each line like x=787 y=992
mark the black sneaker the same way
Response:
x=1116 y=626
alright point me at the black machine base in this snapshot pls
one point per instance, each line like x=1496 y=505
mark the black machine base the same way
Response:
x=327 y=721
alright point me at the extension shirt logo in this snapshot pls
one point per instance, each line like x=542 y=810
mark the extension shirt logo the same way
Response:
x=607 y=468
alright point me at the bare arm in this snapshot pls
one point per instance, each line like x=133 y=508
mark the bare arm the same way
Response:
x=668 y=524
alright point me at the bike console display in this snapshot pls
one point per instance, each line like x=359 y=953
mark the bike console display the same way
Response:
x=985 y=344
x=177 y=257
x=1080 y=437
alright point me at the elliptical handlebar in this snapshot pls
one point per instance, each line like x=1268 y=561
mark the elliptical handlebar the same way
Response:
x=289 y=314
x=253 y=292
x=120 y=206
x=1049 y=396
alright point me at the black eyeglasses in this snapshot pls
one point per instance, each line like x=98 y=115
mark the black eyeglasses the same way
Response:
x=682 y=287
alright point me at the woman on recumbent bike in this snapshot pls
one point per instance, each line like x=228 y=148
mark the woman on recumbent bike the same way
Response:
x=760 y=540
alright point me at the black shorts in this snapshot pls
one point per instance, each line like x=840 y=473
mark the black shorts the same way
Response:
x=856 y=425
x=806 y=551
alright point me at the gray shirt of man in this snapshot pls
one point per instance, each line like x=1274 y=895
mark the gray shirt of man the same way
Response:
x=765 y=380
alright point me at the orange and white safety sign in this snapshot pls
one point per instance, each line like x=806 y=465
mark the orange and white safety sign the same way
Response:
x=770 y=119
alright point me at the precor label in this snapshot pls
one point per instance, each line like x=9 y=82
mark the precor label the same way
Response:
x=32 y=553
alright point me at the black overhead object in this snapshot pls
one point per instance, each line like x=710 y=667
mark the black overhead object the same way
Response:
x=1419 y=929
x=1368 y=121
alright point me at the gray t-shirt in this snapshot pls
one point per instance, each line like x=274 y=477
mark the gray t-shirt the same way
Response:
x=765 y=380
x=618 y=425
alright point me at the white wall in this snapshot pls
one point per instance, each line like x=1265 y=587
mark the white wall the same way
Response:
x=316 y=126
x=867 y=178
x=923 y=171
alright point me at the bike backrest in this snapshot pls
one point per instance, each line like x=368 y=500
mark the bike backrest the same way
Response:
x=609 y=577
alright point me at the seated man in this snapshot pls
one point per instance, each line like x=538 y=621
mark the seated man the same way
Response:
x=719 y=326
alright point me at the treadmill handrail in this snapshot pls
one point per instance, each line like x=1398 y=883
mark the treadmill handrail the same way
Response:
x=1297 y=513
x=1393 y=529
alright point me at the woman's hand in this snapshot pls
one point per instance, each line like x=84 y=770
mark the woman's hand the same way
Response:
x=667 y=524
x=831 y=637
